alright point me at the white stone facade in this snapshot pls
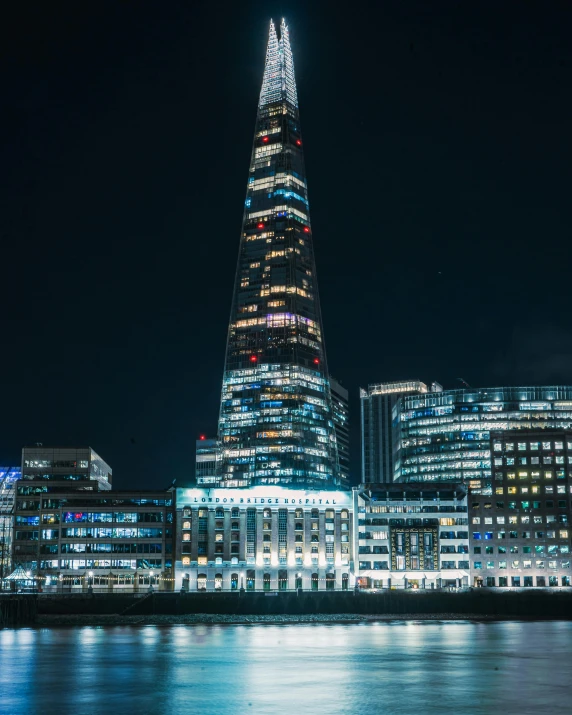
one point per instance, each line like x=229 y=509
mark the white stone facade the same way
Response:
x=263 y=539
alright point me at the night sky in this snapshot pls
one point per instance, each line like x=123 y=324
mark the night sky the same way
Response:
x=439 y=159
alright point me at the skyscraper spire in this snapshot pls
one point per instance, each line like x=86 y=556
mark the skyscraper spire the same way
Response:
x=278 y=82
x=276 y=420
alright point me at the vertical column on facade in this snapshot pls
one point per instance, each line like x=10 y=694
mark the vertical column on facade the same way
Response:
x=307 y=550
x=290 y=539
x=242 y=537
x=338 y=548
x=283 y=546
x=253 y=541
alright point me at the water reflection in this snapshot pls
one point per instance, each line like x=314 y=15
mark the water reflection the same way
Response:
x=359 y=668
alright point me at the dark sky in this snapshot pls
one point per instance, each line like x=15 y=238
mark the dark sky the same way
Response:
x=439 y=159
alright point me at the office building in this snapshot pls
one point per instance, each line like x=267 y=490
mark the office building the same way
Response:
x=378 y=431
x=441 y=435
x=520 y=526
x=340 y=405
x=8 y=478
x=111 y=540
x=445 y=435
x=46 y=471
x=68 y=467
x=266 y=538
x=207 y=462
x=410 y=536
x=276 y=422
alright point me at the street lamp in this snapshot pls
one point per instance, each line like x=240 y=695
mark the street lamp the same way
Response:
x=150 y=581
x=90 y=582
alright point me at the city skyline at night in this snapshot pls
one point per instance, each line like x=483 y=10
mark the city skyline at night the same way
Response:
x=437 y=152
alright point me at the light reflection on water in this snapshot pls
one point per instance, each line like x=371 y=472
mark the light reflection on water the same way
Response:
x=415 y=667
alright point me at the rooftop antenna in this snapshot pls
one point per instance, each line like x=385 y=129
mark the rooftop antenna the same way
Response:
x=463 y=382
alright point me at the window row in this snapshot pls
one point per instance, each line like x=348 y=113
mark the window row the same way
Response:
x=517 y=564
x=489 y=535
x=527 y=581
x=538 y=549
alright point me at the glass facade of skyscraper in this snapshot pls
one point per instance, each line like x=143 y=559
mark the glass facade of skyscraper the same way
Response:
x=446 y=435
x=8 y=478
x=276 y=421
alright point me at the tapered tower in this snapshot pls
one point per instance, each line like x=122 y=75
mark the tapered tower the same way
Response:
x=276 y=419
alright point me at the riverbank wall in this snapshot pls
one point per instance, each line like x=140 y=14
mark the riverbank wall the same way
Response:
x=18 y=610
x=539 y=604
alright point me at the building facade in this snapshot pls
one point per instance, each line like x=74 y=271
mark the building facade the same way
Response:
x=73 y=540
x=441 y=435
x=263 y=538
x=276 y=421
x=341 y=412
x=71 y=467
x=520 y=524
x=207 y=462
x=8 y=478
x=411 y=536
x=378 y=431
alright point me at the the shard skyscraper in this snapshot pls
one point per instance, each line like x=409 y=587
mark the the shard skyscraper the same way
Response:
x=276 y=420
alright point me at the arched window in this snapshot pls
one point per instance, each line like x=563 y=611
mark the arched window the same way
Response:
x=233 y=581
x=186 y=525
x=235 y=513
x=186 y=512
x=315 y=513
x=282 y=580
x=299 y=514
x=345 y=581
x=186 y=561
x=218 y=582
x=219 y=514
x=250 y=580
x=330 y=581
x=344 y=514
x=235 y=525
x=267 y=514
x=266 y=582
x=202 y=582
x=298 y=581
x=186 y=537
x=314 y=582
x=234 y=560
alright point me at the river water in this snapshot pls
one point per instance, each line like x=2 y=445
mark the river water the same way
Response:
x=398 y=667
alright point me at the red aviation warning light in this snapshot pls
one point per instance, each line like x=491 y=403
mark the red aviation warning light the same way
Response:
x=306 y=229
x=260 y=225
x=265 y=139
x=316 y=361
x=253 y=358
x=202 y=437
x=299 y=142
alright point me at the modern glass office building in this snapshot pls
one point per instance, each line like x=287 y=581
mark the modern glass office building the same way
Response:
x=276 y=421
x=341 y=411
x=378 y=430
x=446 y=435
x=8 y=478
